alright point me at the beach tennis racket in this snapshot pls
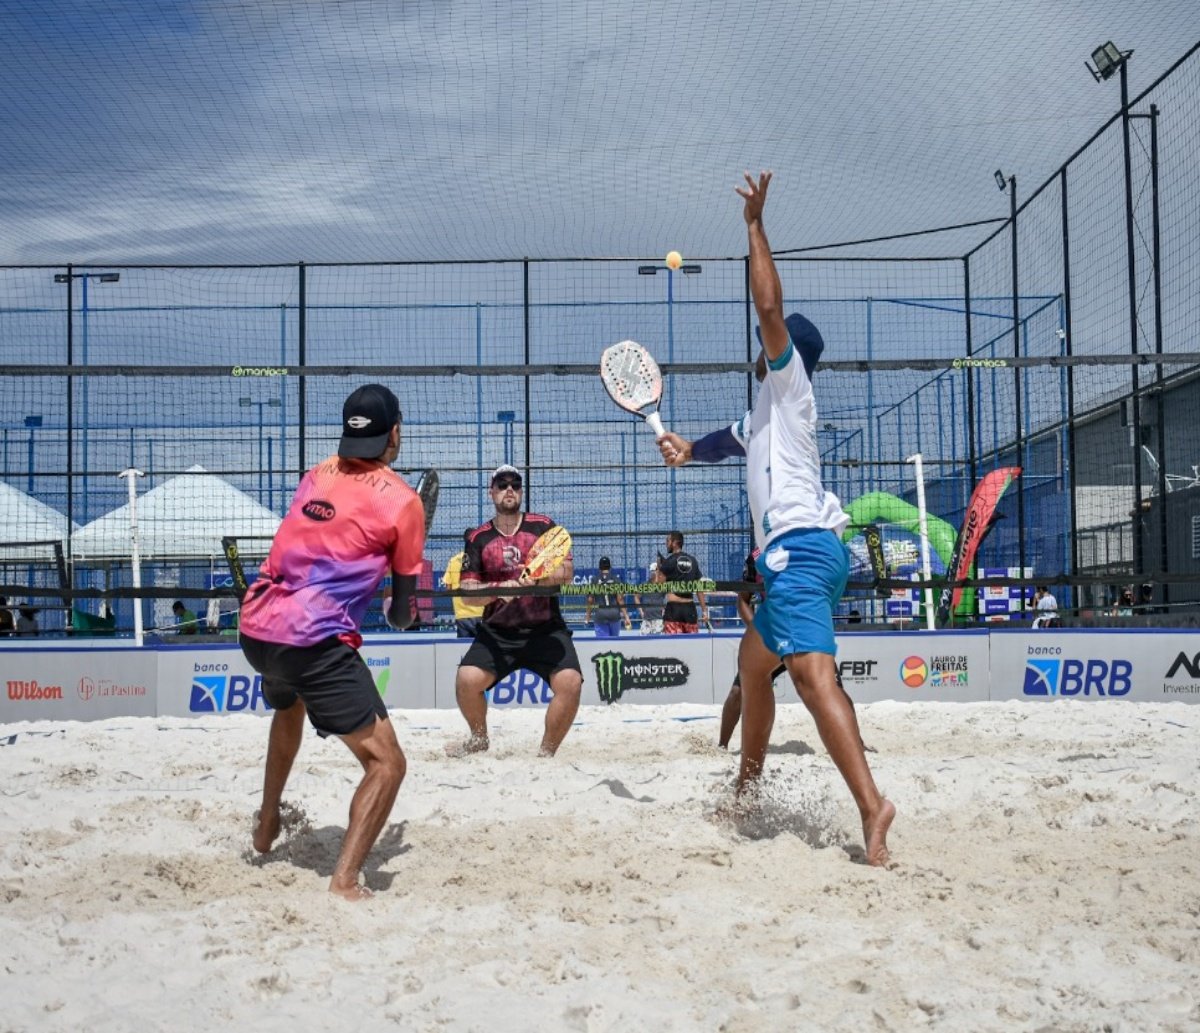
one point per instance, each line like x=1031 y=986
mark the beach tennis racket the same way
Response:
x=633 y=380
x=427 y=490
x=547 y=554
x=234 y=560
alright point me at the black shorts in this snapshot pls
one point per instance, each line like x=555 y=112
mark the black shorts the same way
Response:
x=540 y=650
x=332 y=679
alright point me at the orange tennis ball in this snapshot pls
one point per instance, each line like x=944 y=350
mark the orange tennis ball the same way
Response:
x=674 y=259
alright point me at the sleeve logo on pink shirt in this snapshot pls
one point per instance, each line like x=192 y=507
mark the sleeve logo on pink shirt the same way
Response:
x=316 y=509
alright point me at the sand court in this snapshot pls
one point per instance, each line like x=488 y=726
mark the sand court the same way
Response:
x=1046 y=876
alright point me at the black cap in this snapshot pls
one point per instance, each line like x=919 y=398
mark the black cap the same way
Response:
x=368 y=417
x=605 y=563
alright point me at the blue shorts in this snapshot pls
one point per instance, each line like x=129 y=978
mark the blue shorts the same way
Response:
x=804 y=575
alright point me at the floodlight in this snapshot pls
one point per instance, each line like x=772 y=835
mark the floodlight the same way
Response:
x=109 y=277
x=647 y=270
x=690 y=270
x=1000 y=181
x=1107 y=60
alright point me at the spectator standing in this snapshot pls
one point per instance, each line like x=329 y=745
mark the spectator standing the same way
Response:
x=679 y=613
x=467 y=612
x=610 y=611
x=651 y=604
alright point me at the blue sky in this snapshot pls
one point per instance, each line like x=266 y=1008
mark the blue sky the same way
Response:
x=273 y=132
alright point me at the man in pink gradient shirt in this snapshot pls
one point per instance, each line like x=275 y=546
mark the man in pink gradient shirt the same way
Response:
x=352 y=520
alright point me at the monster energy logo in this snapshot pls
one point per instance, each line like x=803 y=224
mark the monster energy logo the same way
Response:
x=616 y=675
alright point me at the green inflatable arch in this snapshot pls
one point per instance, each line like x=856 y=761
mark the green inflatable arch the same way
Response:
x=879 y=506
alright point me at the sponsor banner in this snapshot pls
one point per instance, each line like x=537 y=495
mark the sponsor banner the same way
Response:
x=216 y=680
x=903 y=603
x=445 y=667
x=84 y=685
x=724 y=662
x=1100 y=664
x=219 y=680
x=999 y=602
x=948 y=666
x=403 y=673
x=628 y=669
x=517 y=689
x=1103 y=665
x=666 y=669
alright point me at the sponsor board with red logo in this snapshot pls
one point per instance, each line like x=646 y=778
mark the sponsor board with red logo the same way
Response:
x=936 y=665
x=75 y=684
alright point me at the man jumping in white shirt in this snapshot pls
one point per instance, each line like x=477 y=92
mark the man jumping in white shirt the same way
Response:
x=797 y=527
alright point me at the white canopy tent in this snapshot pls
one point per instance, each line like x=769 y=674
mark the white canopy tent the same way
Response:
x=25 y=519
x=181 y=519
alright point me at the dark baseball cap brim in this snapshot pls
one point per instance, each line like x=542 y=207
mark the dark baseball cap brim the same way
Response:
x=363 y=448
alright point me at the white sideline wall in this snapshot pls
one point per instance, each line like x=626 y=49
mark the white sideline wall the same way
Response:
x=77 y=682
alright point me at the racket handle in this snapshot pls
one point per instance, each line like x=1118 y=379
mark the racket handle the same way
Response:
x=656 y=425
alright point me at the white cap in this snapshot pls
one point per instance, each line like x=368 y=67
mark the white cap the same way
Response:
x=504 y=469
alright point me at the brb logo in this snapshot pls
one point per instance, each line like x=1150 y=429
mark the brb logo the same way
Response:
x=214 y=691
x=520 y=688
x=1055 y=677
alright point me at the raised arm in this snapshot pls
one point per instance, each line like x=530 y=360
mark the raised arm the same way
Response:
x=765 y=287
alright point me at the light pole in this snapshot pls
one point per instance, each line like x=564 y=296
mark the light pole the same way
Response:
x=69 y=279
x=1109 y=60
x=246 y=403
x=32 y=422
x=688 y=270
x=1009 y=186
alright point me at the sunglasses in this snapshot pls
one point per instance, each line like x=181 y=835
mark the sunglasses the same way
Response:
x=501 y=483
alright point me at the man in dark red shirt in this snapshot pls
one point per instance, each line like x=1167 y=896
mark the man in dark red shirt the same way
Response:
x=515 y=632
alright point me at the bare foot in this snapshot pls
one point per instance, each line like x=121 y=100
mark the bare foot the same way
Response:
x=266 y=831
x=353 y=892
x=875 y=835
x=473 y=744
